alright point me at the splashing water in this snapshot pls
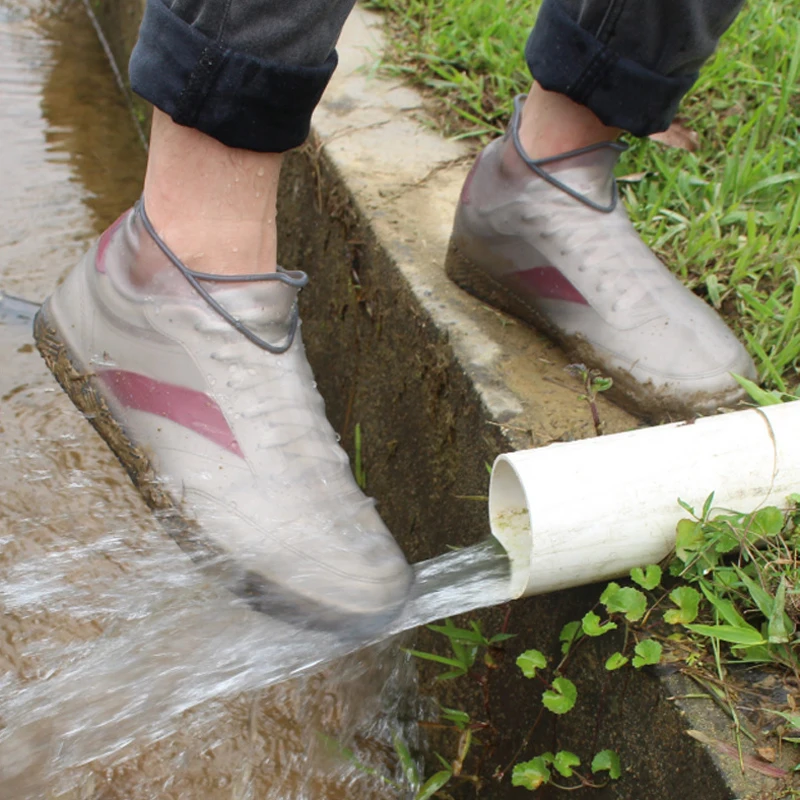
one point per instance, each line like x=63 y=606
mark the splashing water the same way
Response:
x=115 y=641
x=159 y=638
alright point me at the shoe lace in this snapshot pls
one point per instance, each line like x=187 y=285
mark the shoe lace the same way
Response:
x=606 y=248
x=295 y=278
x=537 y=165
x=247 y=377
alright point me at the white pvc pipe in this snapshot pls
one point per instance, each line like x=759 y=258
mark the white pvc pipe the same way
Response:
x=574 y=513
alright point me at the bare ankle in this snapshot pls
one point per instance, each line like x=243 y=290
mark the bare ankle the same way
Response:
x=553 y=124
x=214 y=206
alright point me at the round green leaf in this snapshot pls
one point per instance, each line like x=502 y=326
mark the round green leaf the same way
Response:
x=561 y=697
x=689 y=539
x=688 y=602
x=648 y=651
x=607 y=761
x=530 y=661
x=570 y=633
x=592 y=626
x=530 y=774
x=564 y=761
x=625 y=600
x=648 y=578
x=616 y=661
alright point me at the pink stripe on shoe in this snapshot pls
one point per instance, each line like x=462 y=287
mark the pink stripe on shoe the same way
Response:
x=550 y=284
x=186 y=407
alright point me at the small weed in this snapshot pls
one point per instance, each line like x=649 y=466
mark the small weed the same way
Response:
x=593 y=383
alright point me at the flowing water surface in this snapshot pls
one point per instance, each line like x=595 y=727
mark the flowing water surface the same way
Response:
x=125 y=672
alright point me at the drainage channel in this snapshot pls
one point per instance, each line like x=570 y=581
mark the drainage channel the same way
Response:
x=125 y=672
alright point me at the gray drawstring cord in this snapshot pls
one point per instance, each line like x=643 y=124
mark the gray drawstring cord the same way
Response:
x=294 y=278
x=536 y=165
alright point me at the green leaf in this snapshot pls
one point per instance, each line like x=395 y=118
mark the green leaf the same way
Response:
x=747 y=636
x=689 y=539
x=725 y=608
x=530 y=661
x=779 y=626
x=459 y=718
x=570 y=633
x=501 y=637
x=686 y=507
x=647 y=579
x=616 y=661
x=564 y=761
x=767 y=521
x=610 y=590
x=757 y=394
x=648 y=651
x=762 y=598
x=410 y=771
x=461 y=635
x=442 y=760
x=561 y=697
x=688 y=602
x=530 y=774
x=625 y=600
x=757 y=654
x=592 y=627
x=451 y=662
x=450 y=674
x=707 y=506
x=433 y=784
x=607 y=761
x=601 y=384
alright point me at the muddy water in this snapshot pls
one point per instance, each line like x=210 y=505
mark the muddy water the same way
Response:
x=124 y=672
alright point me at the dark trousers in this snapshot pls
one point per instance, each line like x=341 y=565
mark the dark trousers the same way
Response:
x=250 y=72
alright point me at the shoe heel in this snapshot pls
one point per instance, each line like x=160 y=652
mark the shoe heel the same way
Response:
x=83 y=389
x=472 y=279
x=71 y=376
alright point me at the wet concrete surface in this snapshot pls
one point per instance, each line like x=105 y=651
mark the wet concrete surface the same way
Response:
x=72 y=529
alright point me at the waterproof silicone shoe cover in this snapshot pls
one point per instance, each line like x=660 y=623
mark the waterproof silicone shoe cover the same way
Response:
x=549 y=242
x=201 y=387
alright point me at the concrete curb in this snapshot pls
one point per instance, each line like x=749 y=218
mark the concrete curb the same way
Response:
x=440 y=384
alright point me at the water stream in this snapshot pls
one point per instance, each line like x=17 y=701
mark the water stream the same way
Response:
x=125 y=672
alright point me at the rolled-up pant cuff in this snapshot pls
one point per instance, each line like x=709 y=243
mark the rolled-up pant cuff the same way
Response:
x=239 y=99
x=565 y=58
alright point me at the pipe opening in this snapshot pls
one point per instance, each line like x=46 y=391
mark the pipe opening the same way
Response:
x=510 y=521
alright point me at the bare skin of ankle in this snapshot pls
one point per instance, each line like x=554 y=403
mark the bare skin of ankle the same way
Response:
x=553 y=124
x=215 y=206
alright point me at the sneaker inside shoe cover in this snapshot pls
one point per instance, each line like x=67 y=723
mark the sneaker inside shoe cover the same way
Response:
x=201 y=387
x=549 y=242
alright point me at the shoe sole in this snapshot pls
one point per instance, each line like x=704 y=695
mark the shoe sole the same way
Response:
x=626 y=392
x=263 y=595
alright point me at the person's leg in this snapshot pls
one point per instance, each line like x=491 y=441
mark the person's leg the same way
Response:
x=630 y=62
x=539 y=230
x=178 y=335
x=237 y=82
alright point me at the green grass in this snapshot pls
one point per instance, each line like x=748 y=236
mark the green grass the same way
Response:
x=726 y=218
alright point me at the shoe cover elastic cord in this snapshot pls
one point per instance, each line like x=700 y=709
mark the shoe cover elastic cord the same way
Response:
x=536 y=165
x=295 y=278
